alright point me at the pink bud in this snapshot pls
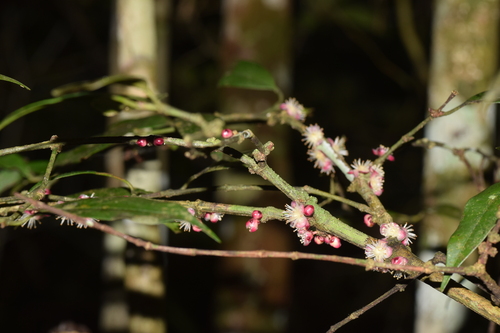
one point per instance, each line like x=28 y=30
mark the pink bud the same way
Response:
x=142 y=142
x=252 y=225
x=206 y=217
x=227 y=133
x=319 y=240
x=159 y=141
x=215 y=217
x=335 y=242
x=196 y=228
x=399 y=261
x=368 y=220
x=257 y=214
x=309 y=210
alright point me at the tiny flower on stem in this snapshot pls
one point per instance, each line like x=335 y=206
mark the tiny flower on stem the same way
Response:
x=381 y=150
x=333 y=241
x=32 y=219
x=252 y=225
x=376 y=181
x=313 y=136
x=294 y=109
x=359 y=166
x=305 y=236
x=294 y=214
x=368 y=220
x=338 y=145
x=378 y=251
x=321 y=161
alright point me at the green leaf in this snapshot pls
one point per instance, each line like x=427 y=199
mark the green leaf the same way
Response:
x=27 y=109
x=15 y=161
x=80 y=153
x=9 y=178
x=249 y=75
x=9 y=79
x=95 y=84
x=139 y=210
x=479 y=98
x=478 y=219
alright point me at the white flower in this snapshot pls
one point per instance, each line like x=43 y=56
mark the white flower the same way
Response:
x=185 y=226
x=378 y=251
x=313 y=136
x=294 y=109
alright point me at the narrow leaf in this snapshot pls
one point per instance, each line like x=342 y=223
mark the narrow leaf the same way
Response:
x=249 y=75
x=478 y=219
x=9 y=79
x=139 y=210
x=95 y=84
x=27 y=109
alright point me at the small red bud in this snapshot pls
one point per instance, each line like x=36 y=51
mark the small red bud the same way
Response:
x=252 y=225
x=399 y=261
x=309 y=210
x=335 y=242
x=227 y=133
x=257 y=214
x=142 y=142
x=159 y=141
x=368 y=220
x=196 y=228
x=319 y=240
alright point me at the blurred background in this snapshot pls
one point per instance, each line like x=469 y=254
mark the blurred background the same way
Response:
x=363 y=67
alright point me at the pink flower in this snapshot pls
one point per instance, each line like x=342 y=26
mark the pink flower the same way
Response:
x=313 y=136
x=294 y=214
x=378 y=251
x=359 y=166
x=294 y=109
x=321 y=161
x=381 y=150
x=338 y=145
x=407 y=230
x=305 y=236
x=227 y=133
x=376 y=181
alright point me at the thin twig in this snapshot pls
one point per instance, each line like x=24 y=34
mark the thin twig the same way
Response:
x=356 y=314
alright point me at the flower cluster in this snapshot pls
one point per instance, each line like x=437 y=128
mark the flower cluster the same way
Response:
x=294 y=109
x=253 y=224
x=375 y=171
x=379 y=250
x=31 y=219
x=297 y=214
x=314 y=139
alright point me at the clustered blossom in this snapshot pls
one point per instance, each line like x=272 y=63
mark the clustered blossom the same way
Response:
x=213 y=217
x=375 y=171
x=253 y=224
x=381 y=150
x=296 y=214
x=186 y=226
x=31 y=219
x=314 y=139
x=294 y=109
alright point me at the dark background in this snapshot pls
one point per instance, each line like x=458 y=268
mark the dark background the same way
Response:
x=52 y=273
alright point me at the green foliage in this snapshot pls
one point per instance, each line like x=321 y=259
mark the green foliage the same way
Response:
x=249 y=75
x=478 y=220
x=9 y=79
x=30 y=108
x=140 y=210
